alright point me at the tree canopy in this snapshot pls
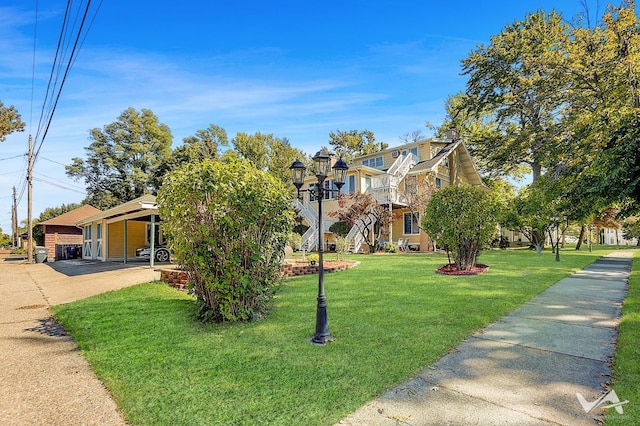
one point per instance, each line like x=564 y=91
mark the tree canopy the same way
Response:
x=10 y=121
x=563 y=98
x=352 y=143
x=122 y=158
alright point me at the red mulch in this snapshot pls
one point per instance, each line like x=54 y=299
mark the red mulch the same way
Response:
x=452 y=269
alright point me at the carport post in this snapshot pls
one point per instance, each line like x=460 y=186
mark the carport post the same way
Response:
x=153 y=239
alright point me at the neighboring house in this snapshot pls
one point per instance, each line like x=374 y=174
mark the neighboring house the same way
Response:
x=116 y=233
x=613 y=237
x=61 y=235
x=391 y=176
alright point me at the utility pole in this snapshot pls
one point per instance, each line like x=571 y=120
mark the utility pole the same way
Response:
x=14 y=220
x=29 y=202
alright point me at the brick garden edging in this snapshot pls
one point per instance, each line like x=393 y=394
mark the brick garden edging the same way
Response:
x=178 y=278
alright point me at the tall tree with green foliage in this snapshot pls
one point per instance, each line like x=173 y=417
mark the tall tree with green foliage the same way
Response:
x=517 y=84
x=352 y=143
x=122 y=158
x=462 y=219
x=10 y=121
x=266 y=153
x=228 y=224
x=601 y=152
x=205 y=144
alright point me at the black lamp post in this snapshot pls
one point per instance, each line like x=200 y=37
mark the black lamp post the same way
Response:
x=556 y=220
x=322 y=162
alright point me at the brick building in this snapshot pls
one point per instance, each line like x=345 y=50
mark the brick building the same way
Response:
x=61 y=235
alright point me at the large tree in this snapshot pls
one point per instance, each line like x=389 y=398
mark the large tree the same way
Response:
x=602 y=148
x=352 y=143
x=204 y=145
x=266 y=153
x=122 y=158
x=10 y=121
x=516 y=84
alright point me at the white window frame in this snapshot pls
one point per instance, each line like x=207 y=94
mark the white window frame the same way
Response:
x=415 y=223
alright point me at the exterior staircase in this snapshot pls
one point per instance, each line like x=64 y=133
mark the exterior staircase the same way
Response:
x=309 y=239
x=384 y=188
x=355 y=237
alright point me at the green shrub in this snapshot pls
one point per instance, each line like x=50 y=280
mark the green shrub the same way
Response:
x=342 y=246
x=462 y=219
x=390 y=248
x=295 y=240
x=340 y=228
x=300 y=229
x=227 y=224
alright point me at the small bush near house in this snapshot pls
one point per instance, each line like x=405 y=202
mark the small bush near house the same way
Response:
x=313 y=258
x=463 y=220
x=228 y=224
x=342 y=247
x=340 y=228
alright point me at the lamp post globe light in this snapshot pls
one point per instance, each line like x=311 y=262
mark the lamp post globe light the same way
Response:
x=322 y=164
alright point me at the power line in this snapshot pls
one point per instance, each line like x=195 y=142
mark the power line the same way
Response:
x=11 y=158
x=59 y=186
x=64 y=183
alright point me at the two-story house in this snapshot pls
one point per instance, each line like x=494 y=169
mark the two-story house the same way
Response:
x=391 y=176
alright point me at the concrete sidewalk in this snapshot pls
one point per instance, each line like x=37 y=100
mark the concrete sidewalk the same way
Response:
x=525 y=369
x=43 y=378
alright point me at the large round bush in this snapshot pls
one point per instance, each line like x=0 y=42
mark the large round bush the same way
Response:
x=227 y=224
x=461 y=219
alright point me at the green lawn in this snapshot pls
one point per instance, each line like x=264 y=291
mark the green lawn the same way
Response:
x=626 y=366
x=391 y=317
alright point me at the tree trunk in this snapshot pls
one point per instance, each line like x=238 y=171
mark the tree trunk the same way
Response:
x=536 y=171
x=583 y=230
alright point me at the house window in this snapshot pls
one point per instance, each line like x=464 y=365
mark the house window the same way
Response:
x=313 y=189
x=413 y=151
x=438 y=183
x=329 y=194
x=445 y=162
x=411 y=224
x=376 y=162
x=367 y=183
x=87 y=232
x=349 y=186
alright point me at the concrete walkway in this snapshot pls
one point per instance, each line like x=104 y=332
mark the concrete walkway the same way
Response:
x=525 y=369
x=43 y=378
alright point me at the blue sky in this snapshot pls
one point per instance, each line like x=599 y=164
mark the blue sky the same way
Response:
x=295 y=69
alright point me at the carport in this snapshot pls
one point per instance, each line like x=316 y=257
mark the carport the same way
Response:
x=115 y=234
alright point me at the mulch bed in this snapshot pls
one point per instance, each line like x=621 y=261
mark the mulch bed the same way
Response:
x=452 y=269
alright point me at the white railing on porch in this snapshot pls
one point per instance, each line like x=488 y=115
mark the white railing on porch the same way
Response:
x=355 y=237
x=309 y=240
x=384 y=188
